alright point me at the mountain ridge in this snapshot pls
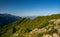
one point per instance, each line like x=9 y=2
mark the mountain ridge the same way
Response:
x=25 y=25
x=7 y=18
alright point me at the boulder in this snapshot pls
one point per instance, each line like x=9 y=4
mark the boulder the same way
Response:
x=55 y=35
x=47 y=35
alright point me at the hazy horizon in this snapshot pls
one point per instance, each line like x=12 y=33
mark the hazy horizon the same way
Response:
x=30 y=7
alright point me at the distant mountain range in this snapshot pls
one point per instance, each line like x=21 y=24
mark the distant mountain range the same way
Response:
x=31 y=17
x=7 y=18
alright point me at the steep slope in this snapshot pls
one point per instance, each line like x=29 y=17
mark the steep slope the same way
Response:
x=51 y=30
x=26 y=25
x=8 y=29
x=7 y=18
x=38 y=22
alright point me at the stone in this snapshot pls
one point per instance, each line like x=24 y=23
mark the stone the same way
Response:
x=55 y=35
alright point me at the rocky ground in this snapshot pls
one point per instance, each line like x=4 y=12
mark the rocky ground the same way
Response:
x=52 y=30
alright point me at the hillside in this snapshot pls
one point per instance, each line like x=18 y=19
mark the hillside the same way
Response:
x=7 y=18
x=39 y=27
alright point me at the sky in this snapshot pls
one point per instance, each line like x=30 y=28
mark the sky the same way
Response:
x=30 y=7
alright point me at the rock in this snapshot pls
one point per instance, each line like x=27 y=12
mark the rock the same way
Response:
x=42 y=30
x=58 y=31
x=57 y=22
x=34 y=31
x=16 y=34
x=55 y=35
x=52 y=20
x=47 y=35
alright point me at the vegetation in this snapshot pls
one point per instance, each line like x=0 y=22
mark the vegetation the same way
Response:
x=23 y=26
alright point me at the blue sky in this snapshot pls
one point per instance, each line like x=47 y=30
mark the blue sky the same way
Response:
x=30 y=7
